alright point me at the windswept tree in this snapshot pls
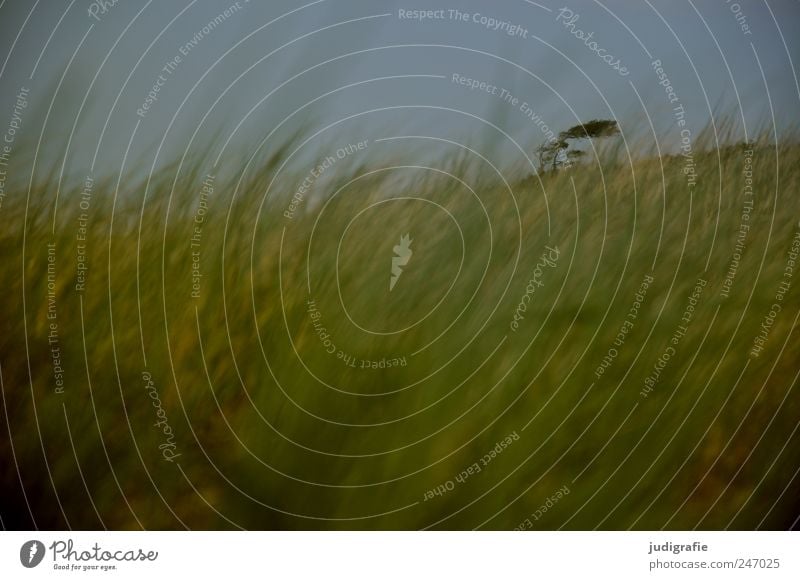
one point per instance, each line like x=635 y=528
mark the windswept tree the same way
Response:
x=556 y=152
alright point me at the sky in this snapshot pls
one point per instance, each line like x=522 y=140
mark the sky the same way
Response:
x=339 y=71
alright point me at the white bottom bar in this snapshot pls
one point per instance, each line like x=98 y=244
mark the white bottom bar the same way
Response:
x=401 y=555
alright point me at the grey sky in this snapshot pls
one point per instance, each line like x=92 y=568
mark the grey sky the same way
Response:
x=713 y=60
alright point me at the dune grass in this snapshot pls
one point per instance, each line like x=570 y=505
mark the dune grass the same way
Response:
x=268 y=429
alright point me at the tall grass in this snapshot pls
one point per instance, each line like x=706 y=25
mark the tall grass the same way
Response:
x=275 y=432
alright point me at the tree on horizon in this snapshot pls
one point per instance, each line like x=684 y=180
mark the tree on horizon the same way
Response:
x=557 y=152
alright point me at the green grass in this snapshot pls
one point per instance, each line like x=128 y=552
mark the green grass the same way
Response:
x=255 y=428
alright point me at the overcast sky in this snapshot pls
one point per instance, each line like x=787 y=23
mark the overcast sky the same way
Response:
x=94 y=73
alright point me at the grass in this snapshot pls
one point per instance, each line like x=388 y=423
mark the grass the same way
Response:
x=272 y=431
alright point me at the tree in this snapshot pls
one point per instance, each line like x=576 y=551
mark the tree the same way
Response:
x=550 y=152
x=556 y=152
